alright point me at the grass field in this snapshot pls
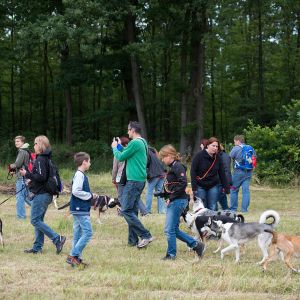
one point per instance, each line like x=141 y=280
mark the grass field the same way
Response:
x=117 y=271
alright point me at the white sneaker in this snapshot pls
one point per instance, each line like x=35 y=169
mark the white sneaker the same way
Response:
x=144 y=242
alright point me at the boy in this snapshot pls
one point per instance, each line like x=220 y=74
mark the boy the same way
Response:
x=80 y=205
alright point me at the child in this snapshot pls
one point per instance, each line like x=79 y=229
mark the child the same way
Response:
x=80 y=205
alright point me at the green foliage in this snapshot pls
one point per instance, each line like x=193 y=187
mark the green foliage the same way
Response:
x=278 y=147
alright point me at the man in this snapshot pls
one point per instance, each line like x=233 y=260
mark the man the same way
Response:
x=242 y=173
x=136 y=156
x=22 y=161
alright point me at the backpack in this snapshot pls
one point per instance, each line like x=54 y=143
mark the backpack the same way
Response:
x=53 y=184
x=155 y=167
x=32 y=157
x=248 y=158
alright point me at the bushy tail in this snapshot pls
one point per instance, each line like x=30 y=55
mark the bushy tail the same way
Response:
x=275 y=235
x=240 y=218
x=270 y=214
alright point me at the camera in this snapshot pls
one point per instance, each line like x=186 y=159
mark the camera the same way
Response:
x=11 y=170
x=162 y=195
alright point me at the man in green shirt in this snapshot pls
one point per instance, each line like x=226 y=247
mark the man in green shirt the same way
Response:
x=135 y=155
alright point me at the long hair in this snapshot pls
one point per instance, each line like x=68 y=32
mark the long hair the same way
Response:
x=169 y=150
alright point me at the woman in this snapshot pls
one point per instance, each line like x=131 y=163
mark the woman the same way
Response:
x=40 y=198
x=177 y=202
x=226 y=161
x=207 y=172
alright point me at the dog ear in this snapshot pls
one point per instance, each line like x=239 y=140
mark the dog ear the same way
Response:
x=219 y=223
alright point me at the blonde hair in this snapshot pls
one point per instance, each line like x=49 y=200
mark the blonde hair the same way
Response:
x=20 y=137
x=43 y=143
x=169 y=150
x=80 y=157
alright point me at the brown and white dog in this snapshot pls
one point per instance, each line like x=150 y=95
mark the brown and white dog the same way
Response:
x=288 y=245
x=1 y=234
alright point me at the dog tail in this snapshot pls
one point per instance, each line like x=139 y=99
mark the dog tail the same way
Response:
x=240 y=218
x=275 y=235
x=270 y=214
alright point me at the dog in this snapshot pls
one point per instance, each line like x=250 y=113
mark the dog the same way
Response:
x=236 y=234
x=288 y=245
x=197 y=223
x=1 y=234
x=101 y=204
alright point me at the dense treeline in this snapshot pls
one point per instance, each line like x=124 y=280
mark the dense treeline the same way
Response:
x=80 y=69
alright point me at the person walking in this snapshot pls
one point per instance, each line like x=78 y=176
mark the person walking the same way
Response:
x=22 y=161
x=155 y=180
x=135 y=155
x=207 y=172
x=242 y=156
x=40 y=198
x=80 y=205
x=118 y=175
x=177 y=202
x=226 y=162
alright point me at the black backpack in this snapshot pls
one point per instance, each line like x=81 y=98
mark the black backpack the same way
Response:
x=53 y=184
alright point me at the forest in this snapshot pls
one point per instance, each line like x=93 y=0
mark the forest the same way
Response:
x=79 y=70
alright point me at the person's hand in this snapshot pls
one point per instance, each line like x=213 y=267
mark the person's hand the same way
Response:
x=114 y=143
x=23 y=172
x=95 y=196
x=114 y=181
x=168 y=202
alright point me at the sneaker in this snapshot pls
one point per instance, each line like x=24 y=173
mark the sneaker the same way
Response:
x=60 y=243
x=33 y=251
x=144 y=242
x=199 y=249
x=73 y=260
x=169 y=257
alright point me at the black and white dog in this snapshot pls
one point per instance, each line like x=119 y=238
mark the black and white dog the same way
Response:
x=1 y=234
x=198 y=222
x=101 y=204
x=236 y=234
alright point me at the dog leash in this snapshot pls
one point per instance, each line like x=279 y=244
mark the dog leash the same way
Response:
x=13 y=195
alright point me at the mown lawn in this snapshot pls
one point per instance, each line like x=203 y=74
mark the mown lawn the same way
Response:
x=117 y=271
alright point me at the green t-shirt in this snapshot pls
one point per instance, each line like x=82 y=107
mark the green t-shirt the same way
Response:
x=136 y=156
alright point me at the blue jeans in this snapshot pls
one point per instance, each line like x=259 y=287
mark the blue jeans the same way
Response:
x=155 y=184
x=141 y=205
x=209 y=197
x=130 y=197
x=172 y=231
x=39 y=206
x=83 y=232
x=240 y=178
x=222 y=199
x=21 y=197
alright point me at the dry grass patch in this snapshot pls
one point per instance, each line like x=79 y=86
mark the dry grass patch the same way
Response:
x=117 y=271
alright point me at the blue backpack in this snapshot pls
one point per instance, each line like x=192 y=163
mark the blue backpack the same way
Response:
x=248 y=156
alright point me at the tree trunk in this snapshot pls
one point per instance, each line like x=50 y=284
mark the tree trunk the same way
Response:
x=260 y=64
x=184 y=141
x=53 y=118
x=197 y=78
x=130 y=37
x=21 y=97
x=45 y=89
x=64 y=55
x=68 y=98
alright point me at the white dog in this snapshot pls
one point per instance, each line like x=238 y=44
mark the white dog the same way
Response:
x=236 y=234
